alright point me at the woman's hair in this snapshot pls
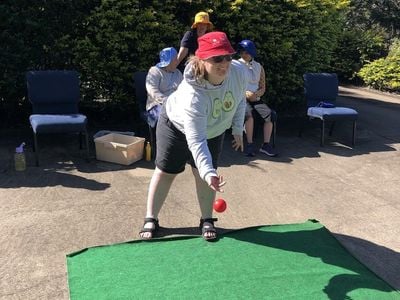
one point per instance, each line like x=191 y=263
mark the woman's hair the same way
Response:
x=199 y=71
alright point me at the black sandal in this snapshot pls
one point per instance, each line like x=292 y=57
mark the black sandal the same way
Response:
x=207 y=226
x=151 y=230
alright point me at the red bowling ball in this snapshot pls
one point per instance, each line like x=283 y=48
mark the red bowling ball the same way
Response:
x=219 y=205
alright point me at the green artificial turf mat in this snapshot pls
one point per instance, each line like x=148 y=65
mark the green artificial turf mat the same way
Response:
x=294 y=261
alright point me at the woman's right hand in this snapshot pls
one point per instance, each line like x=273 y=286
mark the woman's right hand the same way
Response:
x=216 y=182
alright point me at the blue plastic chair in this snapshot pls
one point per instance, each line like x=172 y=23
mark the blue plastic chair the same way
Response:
x=54 y=96
x=139 y=80
x=321 y=91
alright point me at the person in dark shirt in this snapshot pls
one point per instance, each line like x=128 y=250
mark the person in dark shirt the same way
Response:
x=189 y=44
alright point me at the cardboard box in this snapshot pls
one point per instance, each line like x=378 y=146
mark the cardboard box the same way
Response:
x=119 y=148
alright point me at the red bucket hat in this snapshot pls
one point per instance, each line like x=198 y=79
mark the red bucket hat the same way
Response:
x=213 y=44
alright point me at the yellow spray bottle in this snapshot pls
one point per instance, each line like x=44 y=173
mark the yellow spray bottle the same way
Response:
x=148 y=152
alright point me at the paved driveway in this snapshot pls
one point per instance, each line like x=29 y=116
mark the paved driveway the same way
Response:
x=67 y=204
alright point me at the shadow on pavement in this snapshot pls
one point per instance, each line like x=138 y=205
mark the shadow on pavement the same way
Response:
x=47 y=178
x=58 y=172
x=61 y=163
x=377 y=129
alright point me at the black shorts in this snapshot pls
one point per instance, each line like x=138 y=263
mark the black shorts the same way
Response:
x=263 y=110
x=172 y=149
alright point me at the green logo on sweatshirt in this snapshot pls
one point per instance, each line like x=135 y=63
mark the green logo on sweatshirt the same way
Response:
x=228 y=102
x=226 y=105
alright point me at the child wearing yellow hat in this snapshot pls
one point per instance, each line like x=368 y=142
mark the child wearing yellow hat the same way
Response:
x=189 y=45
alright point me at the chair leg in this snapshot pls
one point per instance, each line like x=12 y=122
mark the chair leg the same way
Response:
x=302 y=124
x=36 y=149
x=80 y=140
x=354 y=133
x=322 y=132
x=87 y=144
x=331 y=129
x=273 y=133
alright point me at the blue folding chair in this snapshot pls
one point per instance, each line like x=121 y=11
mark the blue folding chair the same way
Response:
x=139 y=80
x=54 y=96
x=321 y=91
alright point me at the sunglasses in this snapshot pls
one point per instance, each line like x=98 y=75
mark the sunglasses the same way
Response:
x=221 y=58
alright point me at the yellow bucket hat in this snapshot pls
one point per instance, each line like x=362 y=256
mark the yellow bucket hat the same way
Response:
x=202 y=17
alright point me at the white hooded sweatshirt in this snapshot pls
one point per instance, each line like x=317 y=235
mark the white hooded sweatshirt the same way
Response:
x=203 y=111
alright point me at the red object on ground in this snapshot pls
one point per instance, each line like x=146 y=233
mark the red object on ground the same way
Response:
x=219 y=205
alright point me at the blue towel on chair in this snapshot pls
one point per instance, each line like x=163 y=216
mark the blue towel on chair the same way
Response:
x=325 y=104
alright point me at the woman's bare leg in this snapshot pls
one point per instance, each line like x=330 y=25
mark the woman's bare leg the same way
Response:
x=159 y=187
x=205 y=196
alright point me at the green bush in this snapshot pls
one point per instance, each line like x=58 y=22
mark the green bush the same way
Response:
x=121 y=37
x=356 y=48
x=384 y=73
x=370 y=27
x=106 y=41
x=292 y=38
x=35 y=35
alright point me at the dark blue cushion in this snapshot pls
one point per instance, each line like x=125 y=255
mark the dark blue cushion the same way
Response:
x=333 y=113
x=58 y=123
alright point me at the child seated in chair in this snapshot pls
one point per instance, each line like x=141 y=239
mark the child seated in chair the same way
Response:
x=161 y=81
x=255 y=90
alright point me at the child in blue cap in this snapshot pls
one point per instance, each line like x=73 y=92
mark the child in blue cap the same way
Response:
x=255 y=90
x=161 y=81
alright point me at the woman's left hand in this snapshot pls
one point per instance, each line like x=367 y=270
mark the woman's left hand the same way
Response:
x=237 y=142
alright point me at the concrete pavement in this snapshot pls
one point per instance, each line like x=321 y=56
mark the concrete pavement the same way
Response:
x=67 y=204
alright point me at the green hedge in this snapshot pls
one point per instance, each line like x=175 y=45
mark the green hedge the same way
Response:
x=384 y=73
x=37 y=35
x=356 y=47
x=106 y=41
x=292 y=37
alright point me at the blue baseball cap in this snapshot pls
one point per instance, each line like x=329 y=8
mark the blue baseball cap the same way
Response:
x=166 y=56
x=248 y=46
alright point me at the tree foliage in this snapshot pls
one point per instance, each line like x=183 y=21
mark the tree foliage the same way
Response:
x=370 y=29
x=385 y=14
x=292 y=37
x=384 y=73
x=35 y=35
x=106 y=41
x=122 y=37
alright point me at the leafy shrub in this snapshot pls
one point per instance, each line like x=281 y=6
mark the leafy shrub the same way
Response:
x=356 y=48
x=121 y=37
x=384 y=73
x=106 y=41
x=35 y=35
x=370 y=27
x=292 y=37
